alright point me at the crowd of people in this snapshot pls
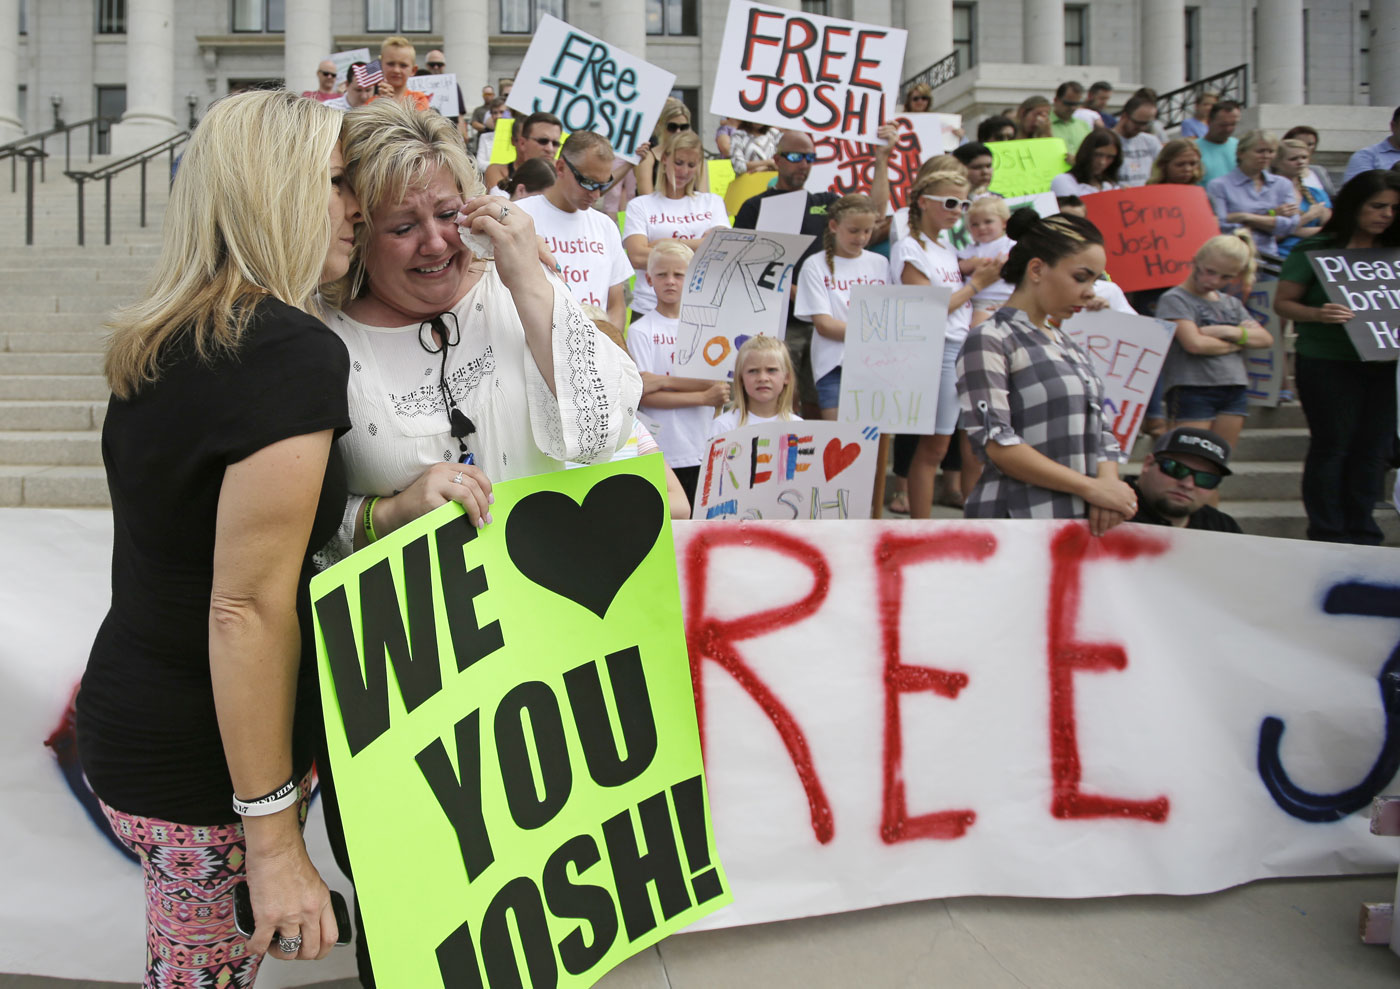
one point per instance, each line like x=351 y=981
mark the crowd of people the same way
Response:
x=357 y=318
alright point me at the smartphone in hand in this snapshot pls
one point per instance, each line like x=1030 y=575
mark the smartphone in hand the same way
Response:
x=243 y=914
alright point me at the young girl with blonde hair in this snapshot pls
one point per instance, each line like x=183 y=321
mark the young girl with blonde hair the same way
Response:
x=764 y=381
x=824 y=288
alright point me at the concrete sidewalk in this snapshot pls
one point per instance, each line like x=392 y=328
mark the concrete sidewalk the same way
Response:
x=1276 y=933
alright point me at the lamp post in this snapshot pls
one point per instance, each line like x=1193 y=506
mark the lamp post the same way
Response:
x=56 y=101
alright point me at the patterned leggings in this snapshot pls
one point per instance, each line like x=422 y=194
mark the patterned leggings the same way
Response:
x=190 y=874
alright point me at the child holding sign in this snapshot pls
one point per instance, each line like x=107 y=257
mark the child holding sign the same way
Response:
x=1204 y=377
x=824 y=288
x=937 y=203
x=766 y=378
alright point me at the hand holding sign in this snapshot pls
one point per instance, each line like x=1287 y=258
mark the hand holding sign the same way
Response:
x=1364 y=289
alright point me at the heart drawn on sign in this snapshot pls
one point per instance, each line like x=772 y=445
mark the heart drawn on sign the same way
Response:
x=836 y=458
x=586 y=552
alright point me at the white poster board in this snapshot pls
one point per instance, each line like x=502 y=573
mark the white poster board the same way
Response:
x=736 y=287
x=788 y=470
x=441 y=90
x=801 y=71
x=343 y=61
x=894 y=357
x=590 y=86
x=1128 y=352
x=845 y=166
x=1266 y=366
x=783 y=212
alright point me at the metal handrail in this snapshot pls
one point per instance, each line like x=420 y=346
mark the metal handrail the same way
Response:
x=106 y=172
x=935 y=75
x=13 y=149
x=30 y=155
x=1176 y=106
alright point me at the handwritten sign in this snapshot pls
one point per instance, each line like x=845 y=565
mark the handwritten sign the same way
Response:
x=590 y=85
x=533 y=763
x=1152 y=232
x=1022 y=168
x=801 y=71
x=845 y=166
x=441 y=90
x=1266 y=366
x=788 y=470
x=343 y=60
x=1128 y=352
x=894 y=357
x=1368 y=283
x=736 y=287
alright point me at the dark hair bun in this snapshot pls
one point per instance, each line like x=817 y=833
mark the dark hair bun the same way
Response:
x=1021 y=222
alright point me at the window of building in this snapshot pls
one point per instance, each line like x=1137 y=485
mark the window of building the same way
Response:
x=111 y=16
x=965 y=34
x=816 y=7
x=259 y=15
x=1076 y=35
x=1193 y=43
x=523 y=16
x=23 y=17
x=1363 y=55
x=690 y=96
x=674 y=17
x=22 y=109
x=398 y=16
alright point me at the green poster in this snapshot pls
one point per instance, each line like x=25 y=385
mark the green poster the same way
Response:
x=1021 y=168
x=513 y=735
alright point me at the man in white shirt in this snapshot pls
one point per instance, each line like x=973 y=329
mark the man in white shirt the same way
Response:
x=585 y=242
x=1140 y=145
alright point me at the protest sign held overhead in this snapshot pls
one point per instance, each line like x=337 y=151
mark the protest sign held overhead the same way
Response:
x=894 y=357
x=591 y=86
x=441 y=90
x=736 y=287
x=1128 y=352
x=788 y=470
x=528 y=783
x=1368 y=283
x=801 y=71
x=1023 y=168
x=844 y=166
x=1152 y=232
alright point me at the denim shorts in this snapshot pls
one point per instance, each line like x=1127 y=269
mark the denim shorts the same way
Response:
x=1201 y=403
x=829 y=389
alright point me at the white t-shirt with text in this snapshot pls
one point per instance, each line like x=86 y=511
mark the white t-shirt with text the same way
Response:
x=680 y=433
x=726 y=421
x=587 y=246
x=940 y=266
x=1138 y=155
x=822 y=292
x=657 y=217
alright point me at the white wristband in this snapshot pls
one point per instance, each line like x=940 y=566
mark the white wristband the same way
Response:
x=279 y=799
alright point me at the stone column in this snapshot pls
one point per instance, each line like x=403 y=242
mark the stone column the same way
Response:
x=466 y=43
x=624 y=24
x=1280 y=46
x=150 y=77
x=1043 y=32
x=930 y=27
x=1385 y=53
x=1163 y=44
x=307 y=42
x=10 y=125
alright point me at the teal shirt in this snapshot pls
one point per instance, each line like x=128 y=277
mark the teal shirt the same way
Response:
x=1217 y=159
x=1072 y=132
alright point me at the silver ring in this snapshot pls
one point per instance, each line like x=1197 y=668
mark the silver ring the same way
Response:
x=505 y=211
x=458 y=478
x=289 y=945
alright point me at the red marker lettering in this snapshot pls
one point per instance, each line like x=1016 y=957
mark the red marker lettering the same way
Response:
x=754 y=38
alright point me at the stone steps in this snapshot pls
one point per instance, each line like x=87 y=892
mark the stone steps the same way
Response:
x=43 y=387
x=58 y=341
x=1287 y=520
x=51 y=415
x=53 y=487
x=51 y=363
x=52 y=447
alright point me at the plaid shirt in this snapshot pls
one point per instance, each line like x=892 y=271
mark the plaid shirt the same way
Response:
x=1016 y=385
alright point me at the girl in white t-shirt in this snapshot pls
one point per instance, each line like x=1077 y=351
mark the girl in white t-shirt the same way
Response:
x=936 y=203
x=676 y=211
x=986 y=222
x=765 y=377
x=824 y=288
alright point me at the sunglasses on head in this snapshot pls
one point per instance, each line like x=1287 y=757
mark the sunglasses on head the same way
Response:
x=1177 y=470
x=588 y=185
x=673 y=127
x=951 y=202
x=795 y=156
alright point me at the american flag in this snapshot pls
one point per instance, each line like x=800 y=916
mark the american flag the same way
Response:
x=369 y=76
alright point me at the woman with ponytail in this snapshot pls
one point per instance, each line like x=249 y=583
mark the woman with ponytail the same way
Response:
x=1031 y=399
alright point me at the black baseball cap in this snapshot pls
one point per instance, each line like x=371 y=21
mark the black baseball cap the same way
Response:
x=1198 y=443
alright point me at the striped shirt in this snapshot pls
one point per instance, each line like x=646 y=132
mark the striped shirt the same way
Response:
x=1017 y=385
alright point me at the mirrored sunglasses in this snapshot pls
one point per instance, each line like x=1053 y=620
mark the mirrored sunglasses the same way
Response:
x=1177 y=470
x=588 y=185
x=795 y=156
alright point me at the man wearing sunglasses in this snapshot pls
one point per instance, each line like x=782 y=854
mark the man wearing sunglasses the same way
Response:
x=535 y=136
x=585 y=241
x=325 y=79
x=1177 y=479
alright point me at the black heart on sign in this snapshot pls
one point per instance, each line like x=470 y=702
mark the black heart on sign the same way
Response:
x=586 y=552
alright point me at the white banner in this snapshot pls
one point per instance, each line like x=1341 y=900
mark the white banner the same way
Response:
x=892 y=711
x=736 y=287
x=801 y=71
x=845 y=166
x=894 y=357
x=788 y=470
x=590 y=86
x=441 y=90
x=1128 y=352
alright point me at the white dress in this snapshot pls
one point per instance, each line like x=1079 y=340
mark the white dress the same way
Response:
x=400 y=422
